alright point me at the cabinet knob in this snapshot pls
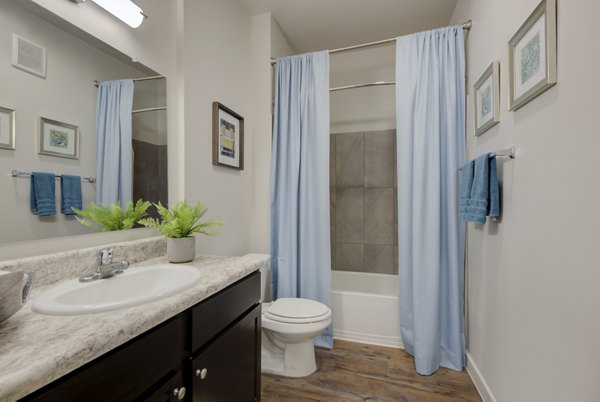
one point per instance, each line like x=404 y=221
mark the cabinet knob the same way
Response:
x=179 y=393
x=201 y=373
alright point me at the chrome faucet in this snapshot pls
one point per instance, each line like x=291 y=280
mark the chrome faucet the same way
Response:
x=106 y=267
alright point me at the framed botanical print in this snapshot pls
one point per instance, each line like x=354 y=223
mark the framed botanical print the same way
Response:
x=532 y=56
x=58 y=139
x=487 y=99
x=7 y=128
x=228 y=137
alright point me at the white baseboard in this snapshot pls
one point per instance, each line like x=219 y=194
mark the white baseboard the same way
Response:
x=477 y=378
x=391 y=341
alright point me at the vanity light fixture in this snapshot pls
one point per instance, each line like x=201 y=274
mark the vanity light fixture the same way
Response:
x=125 y=10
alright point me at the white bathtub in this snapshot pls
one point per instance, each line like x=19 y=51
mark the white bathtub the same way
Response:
x=365 y=308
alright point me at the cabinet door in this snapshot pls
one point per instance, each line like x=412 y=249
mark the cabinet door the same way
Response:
x=212 y=316
x=171 y=390
x=229 y=369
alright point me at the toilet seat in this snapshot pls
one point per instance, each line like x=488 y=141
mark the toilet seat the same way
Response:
x=297 y=311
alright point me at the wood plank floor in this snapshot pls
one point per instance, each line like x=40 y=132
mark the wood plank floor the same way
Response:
x=360 y=372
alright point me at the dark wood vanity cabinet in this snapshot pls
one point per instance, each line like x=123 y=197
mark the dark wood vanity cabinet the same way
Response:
x=226 y=371
x=210 y=352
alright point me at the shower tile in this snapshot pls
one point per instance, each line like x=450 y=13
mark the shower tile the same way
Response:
x=379 y=215
x=332 y=211
x=380 y=158
x=349 y=213
x=349 y=164
x=379 y=259
x=349 y=257
x=395 y=217
x=333 y=266
x=332 y=160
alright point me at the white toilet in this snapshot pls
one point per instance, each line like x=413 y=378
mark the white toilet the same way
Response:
x=289 y=327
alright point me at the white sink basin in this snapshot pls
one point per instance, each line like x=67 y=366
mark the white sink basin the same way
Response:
x=137 y=285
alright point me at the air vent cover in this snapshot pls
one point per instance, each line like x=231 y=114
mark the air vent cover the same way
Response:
x=28 y=56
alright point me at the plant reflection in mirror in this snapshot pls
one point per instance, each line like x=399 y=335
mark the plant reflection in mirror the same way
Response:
x=112 y=218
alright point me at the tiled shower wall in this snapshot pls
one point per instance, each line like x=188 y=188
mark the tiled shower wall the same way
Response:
x=150 y=174
x=363 y=202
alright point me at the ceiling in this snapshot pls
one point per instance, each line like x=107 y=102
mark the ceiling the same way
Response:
x=311 y=25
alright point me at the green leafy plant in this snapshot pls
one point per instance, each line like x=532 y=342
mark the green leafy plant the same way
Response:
x=108 y=219
x=181 y=221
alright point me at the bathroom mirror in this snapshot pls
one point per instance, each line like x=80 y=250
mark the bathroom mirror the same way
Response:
x=50 y=88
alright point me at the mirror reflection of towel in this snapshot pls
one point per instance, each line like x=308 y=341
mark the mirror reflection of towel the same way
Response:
x=70 y=193
x=42 y=194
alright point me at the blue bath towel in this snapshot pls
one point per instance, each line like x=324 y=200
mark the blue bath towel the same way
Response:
x=494 y=197
x=70 y=193
x=484 y=199
x=42 y=194
x=466 y=184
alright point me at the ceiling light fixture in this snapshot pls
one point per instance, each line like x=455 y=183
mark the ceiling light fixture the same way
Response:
x=125 y=10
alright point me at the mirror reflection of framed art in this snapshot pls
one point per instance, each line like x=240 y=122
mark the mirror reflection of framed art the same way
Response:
x=58 y=139
x=7 y=128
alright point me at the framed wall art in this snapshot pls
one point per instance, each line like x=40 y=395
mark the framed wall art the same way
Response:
x=58 y=139
x=532 y=56
x=487 y=99
x=228 y=137
x=7 y=128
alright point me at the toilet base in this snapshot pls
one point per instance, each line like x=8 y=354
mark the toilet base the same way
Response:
x=289 y=360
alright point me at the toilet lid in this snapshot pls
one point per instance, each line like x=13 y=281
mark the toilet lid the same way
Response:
x=290 y=309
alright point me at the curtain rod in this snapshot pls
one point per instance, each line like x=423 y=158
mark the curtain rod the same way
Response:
x=150 y=109
x=368 y=84
x=155 y=77
x=465 y=25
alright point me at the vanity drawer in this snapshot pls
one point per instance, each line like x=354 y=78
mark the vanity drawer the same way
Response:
x=124 y=373
x=216 y=313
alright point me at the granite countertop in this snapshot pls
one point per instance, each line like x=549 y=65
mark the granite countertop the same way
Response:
x=37 y=349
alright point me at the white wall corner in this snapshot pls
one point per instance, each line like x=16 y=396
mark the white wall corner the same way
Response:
x=482 y=387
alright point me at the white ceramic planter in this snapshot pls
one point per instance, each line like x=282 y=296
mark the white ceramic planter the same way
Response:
x=182 y=249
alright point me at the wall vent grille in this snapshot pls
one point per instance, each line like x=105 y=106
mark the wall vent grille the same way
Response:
x=28 y=56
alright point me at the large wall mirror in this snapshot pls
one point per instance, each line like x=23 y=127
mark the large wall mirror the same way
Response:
x=54 y=107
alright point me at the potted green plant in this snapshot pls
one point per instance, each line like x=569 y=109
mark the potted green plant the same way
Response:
x=178 y=225
x=113 y=217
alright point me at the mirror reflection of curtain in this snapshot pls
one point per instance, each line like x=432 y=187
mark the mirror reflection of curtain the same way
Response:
x=113 y=139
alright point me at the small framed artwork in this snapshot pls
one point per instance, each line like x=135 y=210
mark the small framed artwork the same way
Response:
x=228 y=137
x=532 y=56
x=7 y=128
x=487 y=99
x=58 y=139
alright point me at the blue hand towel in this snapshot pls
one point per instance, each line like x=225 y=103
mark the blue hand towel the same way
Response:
x=466 y=183
x=42 y=194
x=70 y=193
x=484 y=200
x=494 y=204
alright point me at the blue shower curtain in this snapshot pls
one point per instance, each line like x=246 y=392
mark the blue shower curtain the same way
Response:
x=300 y=251
x=114 y=149
x=430 y=102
